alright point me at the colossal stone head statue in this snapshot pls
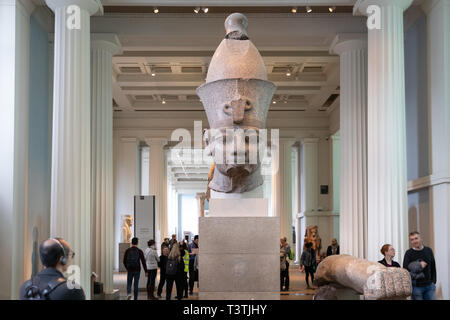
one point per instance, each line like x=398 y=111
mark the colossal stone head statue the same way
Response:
x=236 y=98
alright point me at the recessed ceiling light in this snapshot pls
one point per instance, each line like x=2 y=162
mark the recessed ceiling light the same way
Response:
x=308 y=9
x=294 y=10
x=153 y=74
x=331 y=9
x=205 y=10
x=164 y=101
x=155 y=10
x=288 y=73
x=274 y=102
x=197 y=9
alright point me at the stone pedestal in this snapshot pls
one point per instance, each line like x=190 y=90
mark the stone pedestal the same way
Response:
x=122 y=248
x=239 y=254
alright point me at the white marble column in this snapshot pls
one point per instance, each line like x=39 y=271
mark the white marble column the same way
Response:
x=386 y=152
x=103 y=47
x=282 y=184
x=438 y=21
x=336 y=151
x=309 y=183
x=158 y=184
x=14 y=114
x=71 y=150
x=126 y=184
x=352 y=49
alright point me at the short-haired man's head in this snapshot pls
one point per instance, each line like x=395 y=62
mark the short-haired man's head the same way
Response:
x=414 y=233
x=134 y=241
x=52 y=250
x=150 y=242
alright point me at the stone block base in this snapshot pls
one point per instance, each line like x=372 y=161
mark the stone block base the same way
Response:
x=239 y=258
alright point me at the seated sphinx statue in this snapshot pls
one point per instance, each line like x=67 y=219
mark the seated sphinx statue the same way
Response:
x=370 y=279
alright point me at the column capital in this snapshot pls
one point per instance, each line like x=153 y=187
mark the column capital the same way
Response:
x=106 y=41
x=309 y=140
x=344 y=42
x=336 y=136
x=429 y=5
x=156 y=141
x=91 y=6
x=360 y=8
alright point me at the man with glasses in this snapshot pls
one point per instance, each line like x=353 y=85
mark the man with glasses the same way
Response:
x=50 y=283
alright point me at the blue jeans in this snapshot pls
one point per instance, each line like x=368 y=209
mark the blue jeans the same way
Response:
x=130 y=277
x=424 y=293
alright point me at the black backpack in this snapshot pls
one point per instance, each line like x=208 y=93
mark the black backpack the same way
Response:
x=33 y=292
x=171 y=267
x=133 y=259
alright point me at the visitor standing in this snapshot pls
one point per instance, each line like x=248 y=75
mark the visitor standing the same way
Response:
x=283 y=265
x=50 y=284
x=174 y=272
x=185 y=255
x=389 y=253
x=172 y=241
x=333 y=249
x=162 y=270
x=165 y=244
x=152 y=259
x=132 y=260
x=285 y=273
x=419 y=261
x=308 y=263
x=193 y=273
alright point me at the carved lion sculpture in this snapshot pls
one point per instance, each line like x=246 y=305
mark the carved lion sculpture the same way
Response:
x=371 y=279
x=312 y=235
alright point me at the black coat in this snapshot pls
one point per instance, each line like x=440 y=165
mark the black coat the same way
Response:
x=330 y=251
x=394 y=264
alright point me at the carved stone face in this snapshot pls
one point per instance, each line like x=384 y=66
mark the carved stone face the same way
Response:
x=235 y=104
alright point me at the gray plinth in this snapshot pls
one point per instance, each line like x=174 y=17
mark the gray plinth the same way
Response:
x=239 y=258
x=122 y=248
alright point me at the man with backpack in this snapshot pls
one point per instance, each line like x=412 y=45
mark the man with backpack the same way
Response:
x=132 y=260
x=50 y=284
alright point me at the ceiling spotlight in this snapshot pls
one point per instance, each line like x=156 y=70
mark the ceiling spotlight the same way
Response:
x=308 y=9
x=274 y=102
x=285 y=101
x=331 y=9
x=288 y=73
x=155 y=10
x=205 y=10
x=197 y=10
x=294 y=10
x=163 y=101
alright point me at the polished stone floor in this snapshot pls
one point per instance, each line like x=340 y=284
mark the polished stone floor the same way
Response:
x=297 y=290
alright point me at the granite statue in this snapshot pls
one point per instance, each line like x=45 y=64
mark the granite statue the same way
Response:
x=236 y=98
x=372 y=280
x=126 y=228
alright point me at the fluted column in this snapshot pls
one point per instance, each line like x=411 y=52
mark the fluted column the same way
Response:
x=158 y=184
x=282 y=188
x=352 y=49
x=71 y=156
x=438 y=21
x=103 y=47
x=14 y=140
x=309 y=183
x=386 y=152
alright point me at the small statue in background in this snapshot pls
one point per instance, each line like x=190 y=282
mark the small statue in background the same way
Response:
x=312 y=235
x=126 y=228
